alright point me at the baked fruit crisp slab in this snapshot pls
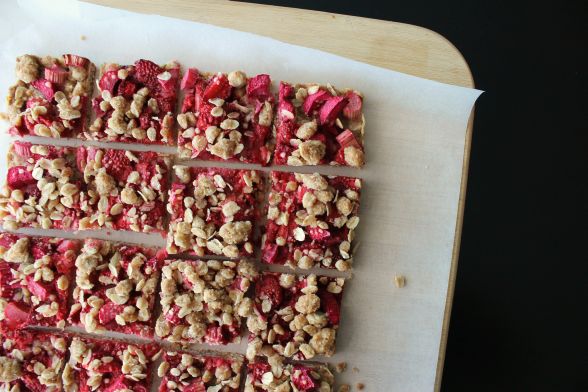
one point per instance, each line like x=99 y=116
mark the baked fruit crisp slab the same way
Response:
x=204 y=301
x=51 y=97
x=311 y=220
x=136 y=103
x=213 y=211
x=125 y=190
x=35 y=274
x=294 y=316
x=261 y=376
x=42 y=188
x=116 y=286
x=31 y=361
x=226 y=117
x=190 y=373
x=108 y=366
x=317 y=125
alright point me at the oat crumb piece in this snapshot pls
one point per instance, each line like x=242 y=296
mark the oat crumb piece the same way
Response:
x=3 y=116
x=360 y=386
x=355 y=370
x=344 y=388
x=341 y=367
x=83 y=37
x=400 y=281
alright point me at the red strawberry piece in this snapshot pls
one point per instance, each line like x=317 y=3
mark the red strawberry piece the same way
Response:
x=259 y=369
x=109 y=311
x=188 y=103
x=331 y=109
x=264 y=155
x=167 y=82
x=108 y=367
x=126 y=88
x=198 y=92
x=205 y=119
x=45 y=87
x=40 y=249
x=286 y=91
x=108 y=81
x=259 y=86
x=96 y=107
x=353 y=108
x=14 y=131
x=31 y=382
x=66 y=245
x=218 y=87
x=120 y=384
x=269 y=288
x=286 y=112
x=23 y=149
x=155 y=215
x=165 y=100
x=7 y=240
x=330 y=306
x=301 y=378
x=81 y=158
x=196 y=386
x=312 y=102
x=347 y=138
x=75 y=60
x=117 y=164
x=37 y=288
x=189 y=80
x=146 y=72
x=56 y=74
x=318 y=234
x=18 y=177
x=15 y=315
x=270 y=251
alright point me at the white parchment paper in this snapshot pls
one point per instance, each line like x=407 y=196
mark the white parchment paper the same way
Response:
x=415 y=138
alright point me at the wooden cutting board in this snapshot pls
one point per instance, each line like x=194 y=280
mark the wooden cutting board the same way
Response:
x=401 y=47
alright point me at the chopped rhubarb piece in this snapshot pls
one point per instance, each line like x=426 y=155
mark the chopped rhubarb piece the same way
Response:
x=228 y=118
x=136 y=103
x=311 y=123
x=213 y=211
x=116 y=286
x=204 y=299
x=109 y=366
x=34 y=280
x=300 y=322
x=44 y=177
x=199 y=373
x=307 y=377
x=311 y=220
x=125 y=190
x=31 y=361
x=51 y=97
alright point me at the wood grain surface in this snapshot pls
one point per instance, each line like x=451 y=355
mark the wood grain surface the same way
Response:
x=401 y=47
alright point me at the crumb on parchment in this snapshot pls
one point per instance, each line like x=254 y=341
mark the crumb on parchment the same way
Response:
x=400 y=281
x=360 y=386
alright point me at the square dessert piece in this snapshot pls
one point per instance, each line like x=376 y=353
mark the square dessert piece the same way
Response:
x=35 y=274
x=203 y=301
x=52 y=96
x=109 y=365
x=42 y=188
x=294 y=316
x=308 y=377
x=213 y=211
x=226 y=117
x=125 y=190
x=31 y=361
x=319 y=125
x=190 y=373
x=136 y=103
x=116 y=287
x=311 y=220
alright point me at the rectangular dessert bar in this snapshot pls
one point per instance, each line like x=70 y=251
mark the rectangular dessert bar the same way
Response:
x=116 y=286
x=204 y=301
x=294 y=316
x=311 y=220
x=318 y=125
x=213 y=211
x=190 y=373
x=308 y=377
x=31 y=361
x=42 y=188
x=52 y=96
x=109 y=365
x=226 y=117
x=136 y=103
x=125 y=190
x=35 y=274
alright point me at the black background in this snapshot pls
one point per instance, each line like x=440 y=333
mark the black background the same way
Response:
x=519 y=320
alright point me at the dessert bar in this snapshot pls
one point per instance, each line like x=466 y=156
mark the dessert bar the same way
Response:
x=51 y=97
x=226 y=117
x=311 y=220
x=261 y=376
